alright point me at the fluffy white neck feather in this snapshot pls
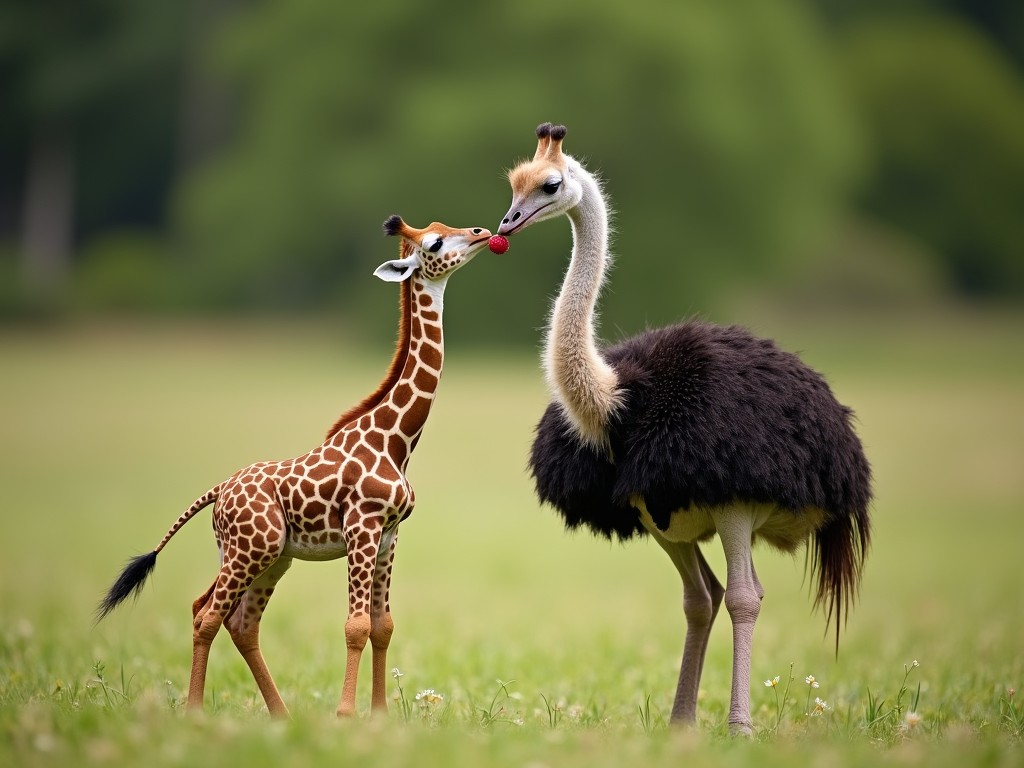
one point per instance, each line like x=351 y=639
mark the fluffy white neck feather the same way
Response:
x=584 y=384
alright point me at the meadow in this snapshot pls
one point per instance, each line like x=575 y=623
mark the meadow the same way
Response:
x=541 y=648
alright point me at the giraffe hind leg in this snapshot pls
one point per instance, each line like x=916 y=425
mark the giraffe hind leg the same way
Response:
x=244 y=627
x=210 y=611
x=247 y=550
x=202 y=603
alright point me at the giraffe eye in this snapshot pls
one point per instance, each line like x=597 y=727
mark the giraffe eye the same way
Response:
x=436 y=246
x=550 y=187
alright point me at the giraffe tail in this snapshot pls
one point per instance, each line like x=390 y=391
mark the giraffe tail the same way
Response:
x=133 y=577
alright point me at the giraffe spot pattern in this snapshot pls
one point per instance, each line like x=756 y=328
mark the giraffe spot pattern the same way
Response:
x=425 y=380
x=345 y=497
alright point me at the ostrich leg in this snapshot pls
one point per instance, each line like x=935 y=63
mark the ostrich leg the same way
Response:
x=702 y=596
x=743 y=601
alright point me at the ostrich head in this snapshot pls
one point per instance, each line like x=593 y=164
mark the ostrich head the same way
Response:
x=544 y=187
x=437 y=250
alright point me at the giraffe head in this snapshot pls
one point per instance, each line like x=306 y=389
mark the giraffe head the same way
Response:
x=544 y=187
x=436 y=251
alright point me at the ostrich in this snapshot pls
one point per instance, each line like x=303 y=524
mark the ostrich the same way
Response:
x=686 y=431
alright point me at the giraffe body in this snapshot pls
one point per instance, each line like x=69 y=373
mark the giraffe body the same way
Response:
x=344 y=498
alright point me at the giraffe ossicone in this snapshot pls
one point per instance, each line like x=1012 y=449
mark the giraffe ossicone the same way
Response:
x=344 y=498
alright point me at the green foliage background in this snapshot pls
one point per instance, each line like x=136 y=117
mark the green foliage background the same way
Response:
x=240 y=155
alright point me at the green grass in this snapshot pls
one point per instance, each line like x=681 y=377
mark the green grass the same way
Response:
x=548 y=649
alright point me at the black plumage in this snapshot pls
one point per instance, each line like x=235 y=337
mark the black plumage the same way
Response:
x=709 y=430
x=712 y=415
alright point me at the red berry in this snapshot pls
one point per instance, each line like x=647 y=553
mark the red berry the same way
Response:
x=498 y=244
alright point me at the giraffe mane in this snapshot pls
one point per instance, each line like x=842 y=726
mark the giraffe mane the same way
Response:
x=394 y=369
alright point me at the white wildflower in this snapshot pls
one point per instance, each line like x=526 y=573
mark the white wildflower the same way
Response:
x=429 y=697
x=912 y=720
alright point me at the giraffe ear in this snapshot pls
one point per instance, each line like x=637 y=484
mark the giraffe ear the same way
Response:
x=397 y=270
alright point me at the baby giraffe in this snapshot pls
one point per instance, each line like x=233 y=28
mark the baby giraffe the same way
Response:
x=346 y=497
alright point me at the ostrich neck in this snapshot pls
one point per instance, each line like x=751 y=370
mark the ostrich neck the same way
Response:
x=577 y=375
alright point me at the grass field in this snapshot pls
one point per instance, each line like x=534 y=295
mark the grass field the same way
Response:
x=548 y=649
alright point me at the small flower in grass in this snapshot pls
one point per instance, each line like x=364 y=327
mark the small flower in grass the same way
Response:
x=811 y=685
x=1011 y=693
x=915 y=664
x=429 y=698
x=911 y=720
x=780 y=702
x=820 y=707
x=397 y=673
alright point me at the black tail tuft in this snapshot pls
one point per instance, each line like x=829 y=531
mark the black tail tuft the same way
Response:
x=129 y=583
x=837 y=556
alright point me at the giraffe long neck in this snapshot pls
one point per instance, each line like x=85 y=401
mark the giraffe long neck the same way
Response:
x=395 y=368
x=403 y=410
x=578 y=376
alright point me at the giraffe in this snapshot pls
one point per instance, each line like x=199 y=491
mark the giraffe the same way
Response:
x=344 y=498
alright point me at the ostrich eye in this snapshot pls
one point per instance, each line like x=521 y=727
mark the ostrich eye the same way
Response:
x=550 y=187
x=436 y=246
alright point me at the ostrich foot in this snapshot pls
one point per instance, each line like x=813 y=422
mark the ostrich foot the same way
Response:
x=745 y=730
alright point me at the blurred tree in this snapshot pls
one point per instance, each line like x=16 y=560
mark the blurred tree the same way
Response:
x=945 y=111
x=728 y=142
x=88 y=98
x=719 y=127
x=1000 y=21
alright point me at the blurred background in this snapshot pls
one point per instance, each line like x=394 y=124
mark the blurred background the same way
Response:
x=230 y=156
x=191 y=195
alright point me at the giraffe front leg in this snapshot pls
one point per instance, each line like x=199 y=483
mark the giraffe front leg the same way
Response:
x=382 y=626
x=363 y=546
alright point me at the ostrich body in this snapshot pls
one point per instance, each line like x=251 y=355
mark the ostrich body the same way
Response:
x=687 y=431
